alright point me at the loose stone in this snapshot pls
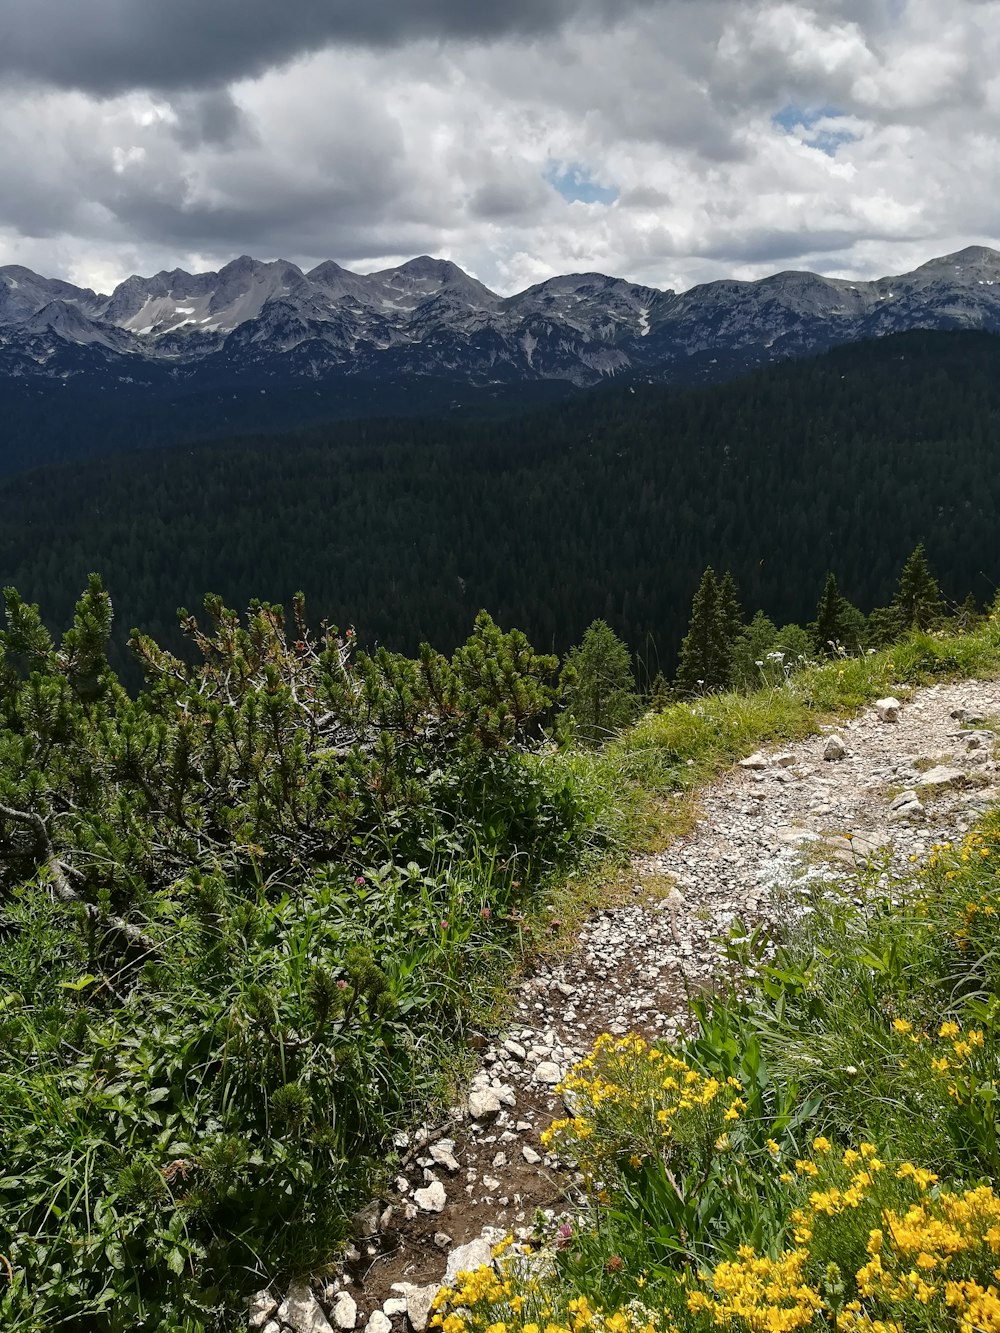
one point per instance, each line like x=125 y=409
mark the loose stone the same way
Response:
x=432 y=1199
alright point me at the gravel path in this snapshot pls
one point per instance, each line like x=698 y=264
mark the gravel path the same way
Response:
x=780 y=819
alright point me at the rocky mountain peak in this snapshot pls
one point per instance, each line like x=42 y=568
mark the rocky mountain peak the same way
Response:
x=428 y=317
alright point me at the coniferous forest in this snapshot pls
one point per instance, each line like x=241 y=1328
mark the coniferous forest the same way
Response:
x=609 y=505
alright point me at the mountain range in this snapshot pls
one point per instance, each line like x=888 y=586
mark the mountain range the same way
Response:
x=262 y=322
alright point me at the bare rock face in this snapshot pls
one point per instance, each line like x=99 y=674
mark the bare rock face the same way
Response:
x=888 y=709
x=427 y=316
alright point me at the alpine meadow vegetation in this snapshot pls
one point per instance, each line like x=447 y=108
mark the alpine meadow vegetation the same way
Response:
x=251 y=911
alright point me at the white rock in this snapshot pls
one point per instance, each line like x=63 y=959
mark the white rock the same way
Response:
x=443 y=1153
x=904 y=798
x=913 y=810
x=514 y=1049
x=785 y=760
x=418 y=1305
x=888 y=709
x=272 y=1326
x=755 y=761
x=432 y=1199
x=834 y=749
x=442 y=1240
x=942 y=776
x=394 y=1305
x=261 y=1307
x=302 y=1311
x=530 y=1156
x=365 y=1220
x=345 y=1311
x=379 y=1322
x=548 y=1072
x=484 y=1104
x=505 y=1094
x=467 y=1258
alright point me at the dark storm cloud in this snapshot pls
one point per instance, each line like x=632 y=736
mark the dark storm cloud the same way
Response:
x=110 y=46
x=207 y=118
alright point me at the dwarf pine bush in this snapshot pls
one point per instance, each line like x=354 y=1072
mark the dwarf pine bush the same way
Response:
x=245 y=917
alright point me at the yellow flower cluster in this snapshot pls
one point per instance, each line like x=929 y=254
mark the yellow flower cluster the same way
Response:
x=942 y=1254
x=514 y=1298
x=769 y=1295
x=975 y=866
x=931 y=1264
x=632 y=1100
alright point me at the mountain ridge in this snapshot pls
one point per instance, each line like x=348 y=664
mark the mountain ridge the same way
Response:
x=429 y=318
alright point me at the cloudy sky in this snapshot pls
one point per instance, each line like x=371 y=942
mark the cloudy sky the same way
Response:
x=667 y=141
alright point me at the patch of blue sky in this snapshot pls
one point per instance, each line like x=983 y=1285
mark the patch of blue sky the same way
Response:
x=576 y=184
x=805 y=124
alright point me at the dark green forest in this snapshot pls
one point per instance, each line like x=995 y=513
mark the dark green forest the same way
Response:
x=609 y=505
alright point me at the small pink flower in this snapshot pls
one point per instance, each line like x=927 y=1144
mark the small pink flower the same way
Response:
x=360 y=879
x=341 y=984
x=485 y=913
x=444 y=924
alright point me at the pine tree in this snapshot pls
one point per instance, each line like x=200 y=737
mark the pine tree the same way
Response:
x=838 y=624
x=598 y=684
x=730 y=610
x=659 y=693
x=883 y=626
x=706 y=653
x=918 y=597
x=750 y=661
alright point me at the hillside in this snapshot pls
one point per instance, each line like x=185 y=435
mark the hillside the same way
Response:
x=610 y=505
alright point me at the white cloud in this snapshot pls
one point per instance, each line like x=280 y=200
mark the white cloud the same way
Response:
x=885 y=151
